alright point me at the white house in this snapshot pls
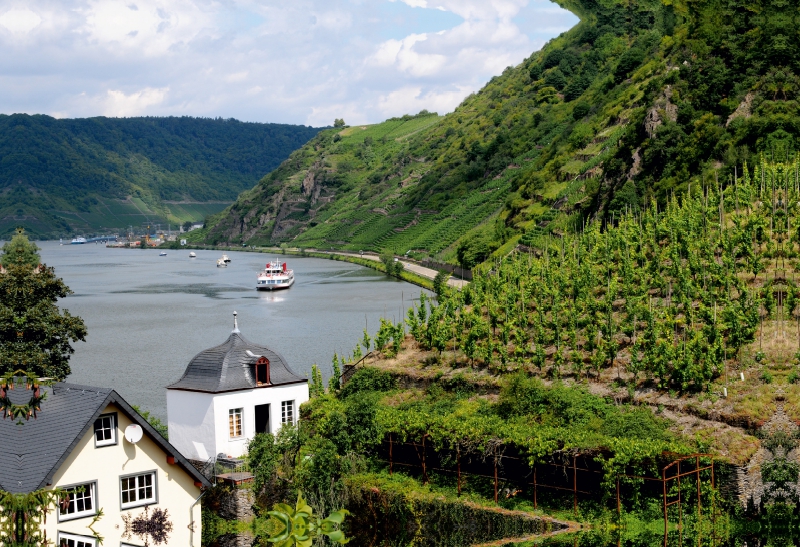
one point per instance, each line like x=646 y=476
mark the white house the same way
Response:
x=121 y=492
x=229 y=393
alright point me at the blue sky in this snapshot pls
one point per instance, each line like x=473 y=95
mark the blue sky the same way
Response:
x=304 y=61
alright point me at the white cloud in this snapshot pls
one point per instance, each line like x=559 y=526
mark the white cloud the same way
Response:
x=149 y=26
x=237 y=77
x=413 y=99
x=118 y=104
x=414 y=3
x=20 y=21
x=305 y=61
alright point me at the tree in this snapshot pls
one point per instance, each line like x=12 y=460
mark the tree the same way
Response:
x=440 y=282
x=20 y=251
x=338 y=122
x=35 y=335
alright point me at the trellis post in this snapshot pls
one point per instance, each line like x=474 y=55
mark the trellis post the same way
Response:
x=575 y=484
x=495 y=474
x=699 y=504
x=458 y=465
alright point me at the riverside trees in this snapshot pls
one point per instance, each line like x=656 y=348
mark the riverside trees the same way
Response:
x=35 y=336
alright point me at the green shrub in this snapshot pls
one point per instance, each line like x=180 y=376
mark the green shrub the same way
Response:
x=368 y=379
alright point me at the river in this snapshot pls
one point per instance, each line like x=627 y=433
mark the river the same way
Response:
x=148 y=315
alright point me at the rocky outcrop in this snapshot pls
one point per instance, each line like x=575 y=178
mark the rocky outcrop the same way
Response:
x=662 y=109
x=754 y=485
x=744 y=110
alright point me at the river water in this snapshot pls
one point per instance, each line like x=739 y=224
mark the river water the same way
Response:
x=148 y=315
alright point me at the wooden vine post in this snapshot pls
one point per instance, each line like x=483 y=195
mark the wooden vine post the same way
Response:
x=575 y=484
x=495 y=474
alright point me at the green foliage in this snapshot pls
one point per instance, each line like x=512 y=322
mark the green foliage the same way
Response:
x=35 y=335
x=474 y=250
x=299 y=527
x=23 y=516
x=263 y=456
x=663 y=292
x=368 y=379
x=20 y=251
x=440 y=282
x=88 y=175
x=154 y=421
x=334 y=383
x=391 y=265
x=316 y=387
x=537 y=419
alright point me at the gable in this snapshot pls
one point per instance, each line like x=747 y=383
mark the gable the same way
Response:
x=33 y=452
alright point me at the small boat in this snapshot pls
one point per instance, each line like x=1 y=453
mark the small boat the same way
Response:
x=225 y=258
x=221 y=263
x=192 y=255
x=162 y=253
x=78 y=241
x=275 y=276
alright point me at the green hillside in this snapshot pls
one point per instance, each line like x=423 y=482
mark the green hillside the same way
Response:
x=61 y=177
x=636 y=102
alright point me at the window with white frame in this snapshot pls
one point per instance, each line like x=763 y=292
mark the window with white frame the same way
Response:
x=105 y=430
x=235 y=422
x=138 y=489
x=287 y=412
x=80 y=502
x=72 y=540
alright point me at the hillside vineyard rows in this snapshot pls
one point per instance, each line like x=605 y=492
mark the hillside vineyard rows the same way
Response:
x=670 y=296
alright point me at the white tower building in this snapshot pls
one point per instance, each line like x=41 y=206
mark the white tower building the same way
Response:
x=229 y=393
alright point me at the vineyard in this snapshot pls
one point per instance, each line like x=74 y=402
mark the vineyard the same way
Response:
x=671 y=295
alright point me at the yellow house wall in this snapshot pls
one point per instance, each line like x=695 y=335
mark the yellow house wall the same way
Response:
x=175 y=488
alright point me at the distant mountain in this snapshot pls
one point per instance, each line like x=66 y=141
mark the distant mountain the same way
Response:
x=66 y=176
x=637 y=102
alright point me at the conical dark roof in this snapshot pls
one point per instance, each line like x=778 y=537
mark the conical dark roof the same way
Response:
x=230 y=367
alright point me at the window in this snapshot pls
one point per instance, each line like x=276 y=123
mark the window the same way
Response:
x=262 y=371
x=105 y=430
x=287 y=412
x=235 y=422
x=71 y=540
x=138 y=489
x=81 y=502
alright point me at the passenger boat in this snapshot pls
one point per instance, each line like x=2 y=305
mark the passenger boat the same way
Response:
x=225 y=258
x=192 y=255
x=221 y=263
x=78 y=241
x=275 y=276
x=162 y=253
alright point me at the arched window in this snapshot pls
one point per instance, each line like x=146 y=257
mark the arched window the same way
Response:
x=262 y=371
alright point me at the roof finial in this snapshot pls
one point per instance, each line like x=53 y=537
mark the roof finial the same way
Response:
x=235 y=325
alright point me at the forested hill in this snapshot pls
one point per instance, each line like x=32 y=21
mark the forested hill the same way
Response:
x=65 y=176
x=638 y=101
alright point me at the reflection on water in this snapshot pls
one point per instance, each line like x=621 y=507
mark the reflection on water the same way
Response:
x=147 y=316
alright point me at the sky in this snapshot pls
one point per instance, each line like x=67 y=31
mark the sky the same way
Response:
x=288 y=61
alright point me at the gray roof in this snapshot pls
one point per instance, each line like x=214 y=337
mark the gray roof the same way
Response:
x=31 y=453
x=230 y=367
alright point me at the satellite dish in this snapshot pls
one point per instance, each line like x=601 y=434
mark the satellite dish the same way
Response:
x=133 y=433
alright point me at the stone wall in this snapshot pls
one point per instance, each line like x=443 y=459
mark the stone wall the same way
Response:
x=237 y=504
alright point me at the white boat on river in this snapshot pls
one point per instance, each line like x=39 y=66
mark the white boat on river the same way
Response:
x=275 y=276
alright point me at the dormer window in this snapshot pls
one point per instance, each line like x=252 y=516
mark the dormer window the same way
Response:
x=262 y=371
